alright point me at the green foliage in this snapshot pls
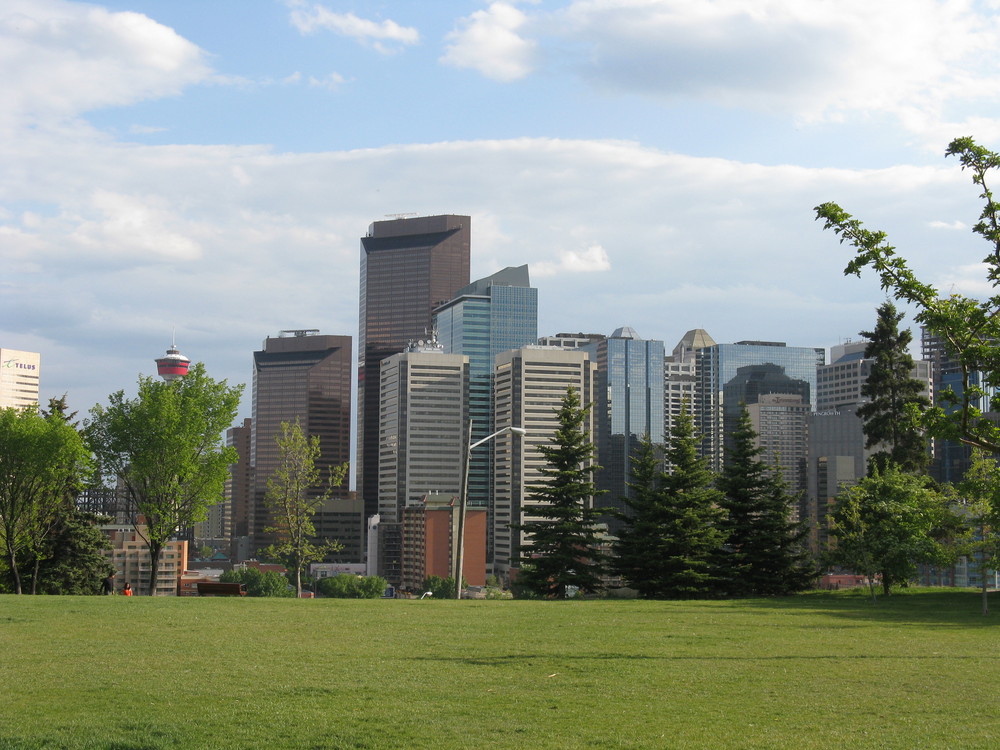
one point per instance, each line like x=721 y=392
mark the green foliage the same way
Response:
x=969 y=328
x=979 y=493
x=71 y=561
x=164 y=448
x=562 y=547
x=764 y=550
x=346 y=586
x=441 y=588
x=295 y=492
x=670 y=543
x=43 y=462
x=896 y=400
x=259 y=582
x=888 y=523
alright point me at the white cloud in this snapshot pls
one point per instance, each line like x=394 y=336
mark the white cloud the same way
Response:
x=951 y=225
x=593 y=258
x=488 y=41
x=385 y=36
x=60 y=59
x=331 y=82
x=931 y=64
x=139 y=229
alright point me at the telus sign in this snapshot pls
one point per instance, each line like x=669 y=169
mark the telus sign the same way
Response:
x=16 y=365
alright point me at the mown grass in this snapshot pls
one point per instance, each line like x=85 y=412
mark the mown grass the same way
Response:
x=920 y=670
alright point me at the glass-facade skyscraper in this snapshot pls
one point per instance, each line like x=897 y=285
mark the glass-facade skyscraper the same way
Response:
x=729 y=374
x=495 y=314
x=408 y=267
x=628 y=404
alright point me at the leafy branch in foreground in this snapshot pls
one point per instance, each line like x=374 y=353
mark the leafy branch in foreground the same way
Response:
x=969 y=328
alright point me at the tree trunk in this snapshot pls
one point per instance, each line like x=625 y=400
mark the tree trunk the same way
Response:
x=154 y=565
x=12 y=564
x=886 y=584
x=986 y=589
x=34 y=576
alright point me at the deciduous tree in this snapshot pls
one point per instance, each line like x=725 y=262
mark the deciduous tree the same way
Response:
x=164 y=450
x=259 y=582
x=979 y=491
x=43 y=461
x=295 y=492
x=888 y=523
x=968 y=327
x=562 y=547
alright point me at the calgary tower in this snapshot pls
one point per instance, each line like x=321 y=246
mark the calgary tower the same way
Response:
x=173 y=365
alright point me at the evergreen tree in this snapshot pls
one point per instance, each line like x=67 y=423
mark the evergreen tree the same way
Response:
x=670 y=543
x=764 y=552
x=73 y=561
x=562 y=547
x=893 y=393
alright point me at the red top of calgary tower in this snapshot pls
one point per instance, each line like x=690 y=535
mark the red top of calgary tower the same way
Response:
x=173 y=365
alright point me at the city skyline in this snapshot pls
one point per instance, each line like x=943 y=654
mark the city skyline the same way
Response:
x=207 y=170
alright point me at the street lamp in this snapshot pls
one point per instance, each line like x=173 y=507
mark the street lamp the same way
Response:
x=463 y=501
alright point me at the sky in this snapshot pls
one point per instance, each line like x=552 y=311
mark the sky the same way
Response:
x=203 y=171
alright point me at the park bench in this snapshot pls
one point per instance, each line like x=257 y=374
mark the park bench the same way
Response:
x=221 y=589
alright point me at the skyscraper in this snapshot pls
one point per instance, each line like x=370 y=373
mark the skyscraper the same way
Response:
x=528 y=391
x=628 y=404
x=301 y=375
x=730 y=375
x=408 y=268
x=492 y=315
x=422 y=429
x=19 y=378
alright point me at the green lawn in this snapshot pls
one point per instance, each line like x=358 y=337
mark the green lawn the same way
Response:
x=919 y=670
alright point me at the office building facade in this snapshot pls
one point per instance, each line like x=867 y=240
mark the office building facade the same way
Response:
x=628 y=405
x=422 y=428
x=492 y=315
x=409 y=267
x=303 y=376
x=19 y=378
x=730 y=375
x=529 y=388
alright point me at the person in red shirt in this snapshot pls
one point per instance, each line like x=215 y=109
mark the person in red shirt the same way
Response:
x=127 y=591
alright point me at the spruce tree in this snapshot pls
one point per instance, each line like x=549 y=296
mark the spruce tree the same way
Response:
x=670 y=543
x=562 y=547
x=892 y=393
x=764 y=552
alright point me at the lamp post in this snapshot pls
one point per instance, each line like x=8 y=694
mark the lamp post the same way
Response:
x=463 y=501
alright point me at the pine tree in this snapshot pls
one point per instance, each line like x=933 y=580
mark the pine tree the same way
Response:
x=671 y=538
x=764 y=552
x=892 y=393
x=562 y=547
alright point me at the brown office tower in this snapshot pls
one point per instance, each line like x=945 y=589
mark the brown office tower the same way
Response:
x=303 y=376
x=408 y=267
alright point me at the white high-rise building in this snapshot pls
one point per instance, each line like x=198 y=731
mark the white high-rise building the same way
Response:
x=19 y=378
x=423 y=418
x=529 y=388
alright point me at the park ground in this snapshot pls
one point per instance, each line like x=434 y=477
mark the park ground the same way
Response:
x=919 y=669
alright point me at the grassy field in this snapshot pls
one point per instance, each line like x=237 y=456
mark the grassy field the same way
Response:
x=919 y=670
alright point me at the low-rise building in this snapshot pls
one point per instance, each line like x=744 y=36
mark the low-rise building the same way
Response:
x=129 y=554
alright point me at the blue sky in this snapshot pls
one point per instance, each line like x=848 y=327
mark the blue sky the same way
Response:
x=208 y=167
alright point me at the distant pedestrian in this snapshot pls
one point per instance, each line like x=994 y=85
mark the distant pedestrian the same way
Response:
x=127 y=591
x=108 y=585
